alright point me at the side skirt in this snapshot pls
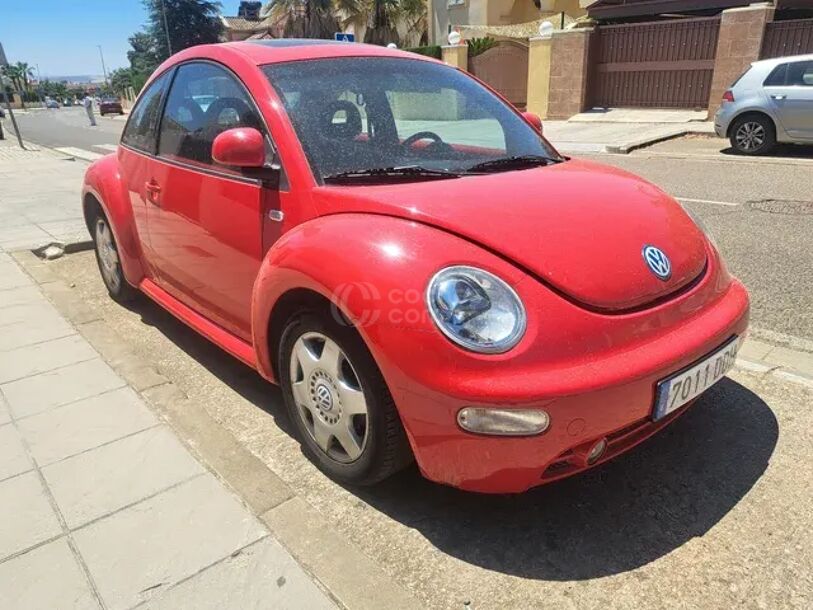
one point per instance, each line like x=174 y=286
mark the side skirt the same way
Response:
x=222 y=338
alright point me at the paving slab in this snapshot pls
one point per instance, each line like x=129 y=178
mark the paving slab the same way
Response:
x=20 y=334
x=103 y=480
x=168 y=538
x=13 y=456
x=259 y=577
x=5 y=416
x=27 y=516
x=61 y=386
x=792 y=359
x=82 y=425
x=42 y=357
x=45 y=578
x=11 y=276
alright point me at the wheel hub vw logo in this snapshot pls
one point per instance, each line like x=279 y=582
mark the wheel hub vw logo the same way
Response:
x=657 y=262
x=324 y=398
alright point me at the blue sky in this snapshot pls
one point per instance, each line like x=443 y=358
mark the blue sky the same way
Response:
x=61 y=35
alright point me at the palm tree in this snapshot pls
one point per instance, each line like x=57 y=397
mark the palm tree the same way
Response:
x=373 y=21
x=19 y=74
x=303 y=18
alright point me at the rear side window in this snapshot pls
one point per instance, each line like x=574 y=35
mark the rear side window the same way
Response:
x=800 y=74
x=140 y=130
x=204 y=101
x=777 y=77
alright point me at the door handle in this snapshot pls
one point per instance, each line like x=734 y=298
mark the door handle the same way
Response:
x=153 y=191
x=778 y=96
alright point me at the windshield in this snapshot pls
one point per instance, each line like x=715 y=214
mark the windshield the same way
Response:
x=363 y=115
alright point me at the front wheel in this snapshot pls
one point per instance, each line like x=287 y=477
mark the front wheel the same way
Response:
x=107 y=257
x=339 y=403
x=753 y=135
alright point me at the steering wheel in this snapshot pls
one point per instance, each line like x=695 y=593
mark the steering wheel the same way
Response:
x=423 y=135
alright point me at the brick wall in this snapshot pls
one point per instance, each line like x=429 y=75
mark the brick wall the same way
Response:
x=739 y=44
x=568 y=73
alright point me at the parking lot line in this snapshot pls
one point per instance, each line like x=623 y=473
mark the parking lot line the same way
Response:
x=709 y=201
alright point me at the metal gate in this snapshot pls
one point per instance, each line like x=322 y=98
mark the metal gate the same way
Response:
x=793 y=37
x=653 y=65
x=504 y=68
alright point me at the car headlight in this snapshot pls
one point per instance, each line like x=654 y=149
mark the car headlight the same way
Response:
x=476 y=309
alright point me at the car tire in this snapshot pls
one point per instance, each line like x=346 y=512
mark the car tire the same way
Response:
x=107 y=258
x=753 y=134
x=324 y=392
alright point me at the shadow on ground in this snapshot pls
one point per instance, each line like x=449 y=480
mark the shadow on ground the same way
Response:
x=780 y=151
x=615 y=518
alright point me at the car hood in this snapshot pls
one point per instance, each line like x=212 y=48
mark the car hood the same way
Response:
x=579 y=226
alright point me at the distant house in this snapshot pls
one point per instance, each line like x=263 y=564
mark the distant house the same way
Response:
x=511 y=18
x=248 y=25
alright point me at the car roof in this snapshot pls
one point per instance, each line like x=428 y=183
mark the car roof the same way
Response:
x=775 y=61
x=279 y=50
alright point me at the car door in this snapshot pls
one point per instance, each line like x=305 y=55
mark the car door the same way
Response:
x=138 y=145
x=206 y=220
x=790 y=92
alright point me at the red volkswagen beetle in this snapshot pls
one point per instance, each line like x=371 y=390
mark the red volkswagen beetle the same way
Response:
x=407 y=257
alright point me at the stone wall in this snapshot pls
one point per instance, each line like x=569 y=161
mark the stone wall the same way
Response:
x=739 y=44
x=568 y=73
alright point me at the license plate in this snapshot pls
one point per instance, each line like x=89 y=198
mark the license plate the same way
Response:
x=687 y=385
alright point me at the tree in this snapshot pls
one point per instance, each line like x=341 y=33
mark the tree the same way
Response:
x=303 y=18
x=186 y=22
x=143 y=58
x=374 y=21
x=120 y=80
x=20 y=75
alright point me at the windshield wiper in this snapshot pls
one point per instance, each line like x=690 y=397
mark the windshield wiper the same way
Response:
x=512 y=162
x=404 y=171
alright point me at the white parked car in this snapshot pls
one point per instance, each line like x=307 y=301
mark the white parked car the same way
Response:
x=772 y=102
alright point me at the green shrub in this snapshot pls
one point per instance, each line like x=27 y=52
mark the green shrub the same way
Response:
x=429 y=51
x=480 y=45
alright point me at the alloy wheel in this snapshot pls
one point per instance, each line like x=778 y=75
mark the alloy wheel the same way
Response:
x=108 y=256
x=329 y=397
x=750 y=136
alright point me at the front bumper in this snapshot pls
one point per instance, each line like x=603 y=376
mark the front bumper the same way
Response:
x=601 y=394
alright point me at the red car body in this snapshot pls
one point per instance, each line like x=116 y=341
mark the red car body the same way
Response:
x=602 y=330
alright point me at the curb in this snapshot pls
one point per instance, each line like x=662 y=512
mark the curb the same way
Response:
x=355 y=582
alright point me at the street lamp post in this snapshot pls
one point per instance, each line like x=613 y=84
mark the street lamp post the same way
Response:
x=104 y=70
x=3 y=64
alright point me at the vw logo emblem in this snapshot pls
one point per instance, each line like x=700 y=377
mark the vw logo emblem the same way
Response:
x=324 y=399
x=658 y=262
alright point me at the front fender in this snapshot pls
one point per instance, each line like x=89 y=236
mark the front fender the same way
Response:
x=375 y=270
x=103 y=181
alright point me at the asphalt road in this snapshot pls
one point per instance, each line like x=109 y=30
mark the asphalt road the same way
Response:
x=68 y=127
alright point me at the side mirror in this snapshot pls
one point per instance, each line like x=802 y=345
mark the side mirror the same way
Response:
x=242 y=147
x=534 y=120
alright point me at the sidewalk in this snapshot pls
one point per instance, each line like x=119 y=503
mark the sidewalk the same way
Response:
x=39 y=197
x=101 y=506
x=621 y=131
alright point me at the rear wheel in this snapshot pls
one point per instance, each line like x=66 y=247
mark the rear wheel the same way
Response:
x=343 y=413
x=753 y=135
x=107 y=257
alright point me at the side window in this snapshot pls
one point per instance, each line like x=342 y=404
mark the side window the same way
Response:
x=777 y=77
x=800 y=74
x=204 y=101
x=140 y=129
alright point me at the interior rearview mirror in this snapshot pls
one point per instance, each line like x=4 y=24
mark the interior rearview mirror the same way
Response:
x=241 y=147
